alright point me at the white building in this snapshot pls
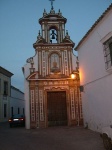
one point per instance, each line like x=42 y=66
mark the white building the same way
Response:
x=17 y=102
x=95 y=59
x=5 y=93
x=11 y=99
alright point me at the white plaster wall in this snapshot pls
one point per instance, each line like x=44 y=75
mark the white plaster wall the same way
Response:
x=35 y=59
x=17 y=93
x=26 y=96
x=27 y=70
x=97 y=95
x=26 y=73
x=97 y=102
x=74 y=60
x=4 y=100
x=27 y=105
x=17 y=101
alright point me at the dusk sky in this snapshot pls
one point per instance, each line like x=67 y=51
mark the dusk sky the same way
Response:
x=19 y=28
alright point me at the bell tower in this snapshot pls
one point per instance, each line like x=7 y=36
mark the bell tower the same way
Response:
x=52 y=26
x=52 y=97
x=54 y=45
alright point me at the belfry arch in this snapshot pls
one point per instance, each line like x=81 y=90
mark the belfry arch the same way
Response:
x=53 y=33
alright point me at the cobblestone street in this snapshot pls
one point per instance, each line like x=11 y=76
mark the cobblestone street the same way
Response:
x=53 y=138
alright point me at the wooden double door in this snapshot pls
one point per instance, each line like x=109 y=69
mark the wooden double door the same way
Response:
x=57 y=108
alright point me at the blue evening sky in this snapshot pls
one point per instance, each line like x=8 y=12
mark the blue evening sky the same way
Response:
x=19 y=28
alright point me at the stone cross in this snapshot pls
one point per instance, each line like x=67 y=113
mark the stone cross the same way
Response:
x=51 y=3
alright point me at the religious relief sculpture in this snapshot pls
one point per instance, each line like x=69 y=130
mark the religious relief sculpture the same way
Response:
x=55 y=67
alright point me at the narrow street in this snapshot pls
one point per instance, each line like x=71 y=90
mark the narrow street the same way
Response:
x=53 y=138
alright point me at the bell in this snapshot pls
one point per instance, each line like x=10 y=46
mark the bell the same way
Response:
x=52 y=31
x=53 y=37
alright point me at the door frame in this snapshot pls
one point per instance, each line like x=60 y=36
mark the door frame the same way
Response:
x=67 y=106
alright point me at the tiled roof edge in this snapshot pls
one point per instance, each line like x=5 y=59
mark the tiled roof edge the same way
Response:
x=94 y=25
x=13 y=87
x=5 y=72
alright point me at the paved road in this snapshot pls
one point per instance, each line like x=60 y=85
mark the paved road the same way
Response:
x=53 y=138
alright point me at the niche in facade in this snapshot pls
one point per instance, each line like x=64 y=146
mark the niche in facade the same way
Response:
x=54 y=61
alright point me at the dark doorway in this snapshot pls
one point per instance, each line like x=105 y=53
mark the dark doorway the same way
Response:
x=57 y=108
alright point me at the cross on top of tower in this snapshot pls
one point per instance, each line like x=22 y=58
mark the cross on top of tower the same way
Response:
x=51 y=3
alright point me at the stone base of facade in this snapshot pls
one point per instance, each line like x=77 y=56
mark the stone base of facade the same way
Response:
x=42 y=124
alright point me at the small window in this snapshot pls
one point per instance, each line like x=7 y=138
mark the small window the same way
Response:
x=108 y=53
x=12 y=110
x=5 y=88
x=110 y=47
x=5 y=110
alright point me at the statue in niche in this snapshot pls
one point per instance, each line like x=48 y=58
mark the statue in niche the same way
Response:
x=55 y=63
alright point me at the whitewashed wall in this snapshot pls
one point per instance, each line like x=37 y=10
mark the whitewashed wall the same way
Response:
x=17 y=101
x=74 y=61
x=26 y=95
x=4 y=99
x=97 y=95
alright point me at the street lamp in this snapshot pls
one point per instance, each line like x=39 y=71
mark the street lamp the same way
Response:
x=73 y=76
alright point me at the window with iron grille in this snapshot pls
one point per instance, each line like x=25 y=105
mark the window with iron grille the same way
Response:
x=108 y=53
x=5 y=88
x=12 y=111
x=5 y=110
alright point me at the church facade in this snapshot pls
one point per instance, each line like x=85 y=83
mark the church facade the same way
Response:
x=52 y=97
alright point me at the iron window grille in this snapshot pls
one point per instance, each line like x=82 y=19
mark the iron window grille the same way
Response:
x=5 y=88
x=5 y=110
x=108 y=53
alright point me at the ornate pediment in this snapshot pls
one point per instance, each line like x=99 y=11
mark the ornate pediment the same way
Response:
x=52 y=17
x=41 y=40
x=33 y=76
x=66 y=40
